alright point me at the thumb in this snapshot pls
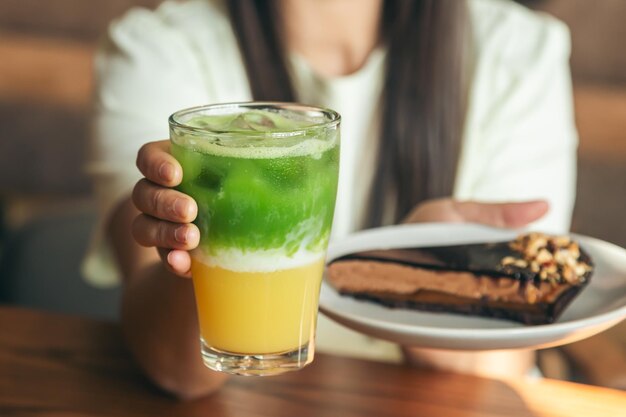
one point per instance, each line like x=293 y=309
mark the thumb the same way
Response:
x=508 y=215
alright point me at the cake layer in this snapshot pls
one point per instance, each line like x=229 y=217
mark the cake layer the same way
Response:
x=404 y=286
x=394 y=278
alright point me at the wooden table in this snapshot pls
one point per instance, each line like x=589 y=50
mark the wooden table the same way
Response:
x=60 y=366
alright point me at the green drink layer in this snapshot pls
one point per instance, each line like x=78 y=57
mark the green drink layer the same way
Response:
x=256 y=193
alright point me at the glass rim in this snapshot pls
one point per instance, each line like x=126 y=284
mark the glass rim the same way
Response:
x=334 y=118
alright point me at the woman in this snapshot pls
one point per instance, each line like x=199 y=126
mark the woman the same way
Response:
x=446 y=105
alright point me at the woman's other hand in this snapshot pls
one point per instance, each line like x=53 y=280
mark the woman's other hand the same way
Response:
x=166 y=214
x=493 y=364
x=508 y=215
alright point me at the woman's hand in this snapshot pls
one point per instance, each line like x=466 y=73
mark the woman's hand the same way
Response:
x=158 y=313
x=166 y=214
x=493 y=364
x=509 y=215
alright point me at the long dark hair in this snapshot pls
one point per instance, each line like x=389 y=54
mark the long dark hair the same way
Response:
x=424 y=94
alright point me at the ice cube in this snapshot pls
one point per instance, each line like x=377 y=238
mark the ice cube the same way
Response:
x=253 y=121
x=208 y=179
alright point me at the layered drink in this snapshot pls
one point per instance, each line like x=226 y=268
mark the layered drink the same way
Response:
x=264 y=177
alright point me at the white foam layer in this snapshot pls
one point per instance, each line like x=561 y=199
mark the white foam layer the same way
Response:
x=256 y=261
x=298 y=147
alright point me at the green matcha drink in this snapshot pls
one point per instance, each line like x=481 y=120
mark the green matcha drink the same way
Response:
x=265 y=179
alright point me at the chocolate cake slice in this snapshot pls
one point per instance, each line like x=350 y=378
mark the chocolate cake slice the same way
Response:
x=531 y=279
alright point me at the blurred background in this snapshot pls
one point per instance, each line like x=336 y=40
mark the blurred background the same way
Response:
x=45 y=204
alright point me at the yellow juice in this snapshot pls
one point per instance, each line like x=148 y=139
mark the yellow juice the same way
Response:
x=257 y=312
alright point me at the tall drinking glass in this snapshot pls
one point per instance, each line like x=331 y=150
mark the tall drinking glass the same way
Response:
x=264 y=176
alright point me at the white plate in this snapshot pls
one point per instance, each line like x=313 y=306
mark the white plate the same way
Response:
x=600 y=305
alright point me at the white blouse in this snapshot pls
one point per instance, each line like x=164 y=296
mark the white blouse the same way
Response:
x=519 y=143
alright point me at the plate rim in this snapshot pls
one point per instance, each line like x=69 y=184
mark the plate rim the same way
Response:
x=541 y=330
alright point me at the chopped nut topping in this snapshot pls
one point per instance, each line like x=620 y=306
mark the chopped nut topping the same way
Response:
x=535 y=267
x=520 y=263
x=574 y=249
x=532 y=248
x=568 y=274
x=508 y=260
x=553 y=258
x=561 y=241
x=543 y=256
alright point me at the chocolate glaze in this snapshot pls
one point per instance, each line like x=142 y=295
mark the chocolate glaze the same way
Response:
x=482 y=258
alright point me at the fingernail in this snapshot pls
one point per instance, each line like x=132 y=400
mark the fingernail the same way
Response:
x=170 y=258
x=181 y=208
x=166 y=171
x=180 y=234
x=192 y=234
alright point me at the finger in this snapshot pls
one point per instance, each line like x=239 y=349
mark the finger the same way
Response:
x=164 y=203
x=156 y=163
x=509 y=215
x=176 y=261
x=436 y=210
x=149 y=231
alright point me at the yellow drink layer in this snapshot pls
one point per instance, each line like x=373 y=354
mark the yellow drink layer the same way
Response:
x=266 y=312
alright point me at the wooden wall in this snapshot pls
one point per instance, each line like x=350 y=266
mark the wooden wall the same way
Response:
x=46 y=52
x=598 y=36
